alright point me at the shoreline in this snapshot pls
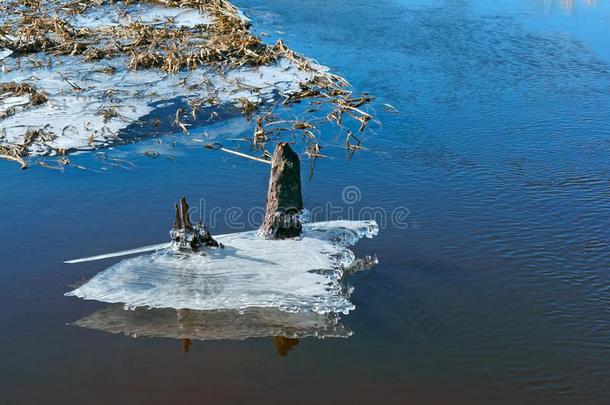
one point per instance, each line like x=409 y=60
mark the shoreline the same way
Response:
x=97 y=96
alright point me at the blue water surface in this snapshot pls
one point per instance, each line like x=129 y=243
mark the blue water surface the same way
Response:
x=493 y=283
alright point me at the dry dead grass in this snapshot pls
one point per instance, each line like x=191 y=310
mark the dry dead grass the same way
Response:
x=33 y=26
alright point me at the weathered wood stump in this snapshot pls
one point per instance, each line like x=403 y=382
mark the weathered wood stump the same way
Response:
x=284 y=199
x=186 y=236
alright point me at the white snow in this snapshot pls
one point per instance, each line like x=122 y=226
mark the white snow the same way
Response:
x=182 y=17
x=75 y=116
x=144 y=13
x=293 y=275
x=4 y=53
x=12 y=102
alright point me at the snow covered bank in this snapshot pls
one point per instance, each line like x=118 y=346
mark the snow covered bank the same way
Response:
x=104 y=66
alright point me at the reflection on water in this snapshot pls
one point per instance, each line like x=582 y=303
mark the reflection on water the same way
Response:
x=188 y=325
x=284 y=344
x=186 y=344
x=568 y=5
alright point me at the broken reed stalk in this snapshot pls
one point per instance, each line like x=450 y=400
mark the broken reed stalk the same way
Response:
x=217 y=146
x=9 y=153
x=18 y=151
x=284 y=198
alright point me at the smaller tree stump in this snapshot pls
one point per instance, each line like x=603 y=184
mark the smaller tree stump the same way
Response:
x=186 y=236
x=284 y=199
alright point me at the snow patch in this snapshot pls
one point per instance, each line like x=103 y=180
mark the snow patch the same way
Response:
x=76 y=117
x=143 y=13
x=5 y=53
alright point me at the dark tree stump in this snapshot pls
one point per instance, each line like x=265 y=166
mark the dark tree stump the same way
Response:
x=186 y=236
x=284 y=199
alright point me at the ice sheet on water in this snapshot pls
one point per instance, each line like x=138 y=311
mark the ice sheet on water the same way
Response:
x=293 y=275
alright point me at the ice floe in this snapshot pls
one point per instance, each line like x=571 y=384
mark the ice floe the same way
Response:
x=293 y=275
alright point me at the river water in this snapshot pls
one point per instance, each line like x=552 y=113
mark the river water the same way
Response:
x=490 y=183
